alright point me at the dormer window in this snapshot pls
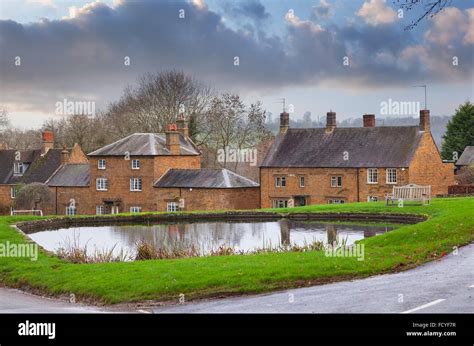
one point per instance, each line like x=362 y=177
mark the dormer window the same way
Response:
x=18 y=168
x=101 y=164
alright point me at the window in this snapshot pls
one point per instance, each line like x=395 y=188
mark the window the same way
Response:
x=101 y=164
x=18 y=168
x=13 y=192
x=71 y=211
x=372 y=199
x=280 y=181
x=100 y=210
x=172 y=206
x=135 y=164
x=135 y=209
x=301 y=181
x=391 y=175
x=372 y=176
x=335 y=201
x=101 y=184
x=135 y=184
x=279 y=203
x=336 y=181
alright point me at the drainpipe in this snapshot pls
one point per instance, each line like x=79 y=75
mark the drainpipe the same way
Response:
x=357 y=175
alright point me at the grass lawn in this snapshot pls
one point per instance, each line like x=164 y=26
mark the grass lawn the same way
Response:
x=450 y=224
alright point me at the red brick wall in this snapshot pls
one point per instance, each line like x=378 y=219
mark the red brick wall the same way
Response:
x=209 y=199
x=318 y=184
x=163 y=163
x=427 y=168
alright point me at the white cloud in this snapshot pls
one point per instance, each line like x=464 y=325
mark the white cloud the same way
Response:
x=46 y=3
x=375 y=12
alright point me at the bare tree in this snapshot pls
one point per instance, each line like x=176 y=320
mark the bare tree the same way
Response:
x=232 y=126
x=156 y=101
x=430 y=9
x=31 y=196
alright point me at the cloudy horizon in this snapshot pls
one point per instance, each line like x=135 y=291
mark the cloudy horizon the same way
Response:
x=319 y=55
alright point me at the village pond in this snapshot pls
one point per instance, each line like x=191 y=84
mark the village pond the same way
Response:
x=206 y=237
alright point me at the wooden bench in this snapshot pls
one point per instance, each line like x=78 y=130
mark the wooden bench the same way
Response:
x=410 y=192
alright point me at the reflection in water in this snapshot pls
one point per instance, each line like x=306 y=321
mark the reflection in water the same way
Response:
x=206 y=236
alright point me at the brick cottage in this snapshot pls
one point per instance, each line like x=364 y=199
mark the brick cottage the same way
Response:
x=340 y=165
x=134 y=174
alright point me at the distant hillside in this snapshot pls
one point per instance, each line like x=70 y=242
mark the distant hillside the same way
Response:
x=438 y=124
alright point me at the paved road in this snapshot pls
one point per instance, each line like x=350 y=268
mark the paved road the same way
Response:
x=15 y=301
x=445 y=285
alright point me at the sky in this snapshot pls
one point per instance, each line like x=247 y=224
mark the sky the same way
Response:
x=348 y=56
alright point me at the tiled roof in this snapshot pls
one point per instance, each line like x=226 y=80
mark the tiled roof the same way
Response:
x=203 y=178
x=467 y=157
x=345 y=147
x=145 y=144
x=40 y=168
x=71 y=175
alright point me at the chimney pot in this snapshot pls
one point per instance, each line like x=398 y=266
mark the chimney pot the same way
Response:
x=424 y=120
x=284 y=122
x=330 y=121
x=48 y=141
x=369 y=120
x=64 y=155
x=182 y=125
x=172 y=139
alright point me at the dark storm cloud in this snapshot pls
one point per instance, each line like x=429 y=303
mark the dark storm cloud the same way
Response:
x=83 y=57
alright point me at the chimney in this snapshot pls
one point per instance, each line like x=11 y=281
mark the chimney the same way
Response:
x=284 y=122
x=64 y=155
x=48 y=141
x=182 y=125
x=172 y=139
x=330 y=121
x=425 y=120
x=369 y=120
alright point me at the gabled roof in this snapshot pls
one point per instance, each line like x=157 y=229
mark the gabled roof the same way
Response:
x=39 y=170
x=467 y=157
x=365 y=147
x=71 y=175
x=204 y=178
x=145 y=144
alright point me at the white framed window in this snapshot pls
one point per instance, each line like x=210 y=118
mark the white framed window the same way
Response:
x=372 y=199
x=135 y=164
x=71 y=210
x=279 y=203
x=100 y=209
x=101 y=184
x=301 y=181
x=135 y=209
x=372 y=176
x=335 y=201
x=13 y=192
x=101 y=164
x=172 y=206
x=280 y=181
x=391 y=175
x=135 y=184
x=18 y=168
x=336 y=181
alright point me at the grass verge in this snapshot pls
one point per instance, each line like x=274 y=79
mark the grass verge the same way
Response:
x=450 y=223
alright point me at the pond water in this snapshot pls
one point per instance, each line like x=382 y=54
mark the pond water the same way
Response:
x=205 y=236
